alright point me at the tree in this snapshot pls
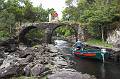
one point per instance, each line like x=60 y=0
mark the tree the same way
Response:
x=41 y=14
x=70 y=13
x=7 y=21
x=1 y=4
x=19 y=11
x=29 y=14
x=100 y=13
x=97 y=13
x=15 y=7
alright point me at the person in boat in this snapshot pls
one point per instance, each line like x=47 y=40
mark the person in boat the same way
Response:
x=78 y=45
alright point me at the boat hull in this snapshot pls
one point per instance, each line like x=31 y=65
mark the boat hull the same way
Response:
x=95 y=54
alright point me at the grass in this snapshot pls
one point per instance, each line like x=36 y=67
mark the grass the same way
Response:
x=98 y=43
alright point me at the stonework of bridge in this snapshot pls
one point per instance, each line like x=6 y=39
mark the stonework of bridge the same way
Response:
x=49 y=29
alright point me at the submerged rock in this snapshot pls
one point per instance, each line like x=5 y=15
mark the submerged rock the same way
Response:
x=70 y=75
x=60 y=61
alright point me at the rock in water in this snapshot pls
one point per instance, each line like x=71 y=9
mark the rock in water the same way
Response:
x=52 y=48
x=70 y=75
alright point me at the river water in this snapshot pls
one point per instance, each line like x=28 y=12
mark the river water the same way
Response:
x=106 y=70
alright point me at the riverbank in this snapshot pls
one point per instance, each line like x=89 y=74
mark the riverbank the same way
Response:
x=41 y=61
x=99 y=43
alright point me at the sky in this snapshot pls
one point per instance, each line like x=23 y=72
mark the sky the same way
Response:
x=58 y=5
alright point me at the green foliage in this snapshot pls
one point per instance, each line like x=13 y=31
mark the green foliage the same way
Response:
x=1 y=4
x=41 y=15
x=70 y=13
x=13 y=6
x=7 y=21
x=65 y=31
x=29 y=13
x=97 y=13
x=94 y=11
x=51 y=10
x=4 y=35
x=35 y=35
x=19 y=11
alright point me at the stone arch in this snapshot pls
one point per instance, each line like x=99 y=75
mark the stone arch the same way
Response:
x=49 y=29
x=72 y=26
x=23 y=32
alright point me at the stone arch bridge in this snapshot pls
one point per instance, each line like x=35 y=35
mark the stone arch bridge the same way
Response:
x=49 y=29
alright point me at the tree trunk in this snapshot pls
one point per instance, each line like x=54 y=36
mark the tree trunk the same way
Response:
x=102 y=33
x=20 y=23
x=10 y=29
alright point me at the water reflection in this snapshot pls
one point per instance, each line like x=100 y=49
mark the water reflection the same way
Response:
x=103 y=71
x=106 y=70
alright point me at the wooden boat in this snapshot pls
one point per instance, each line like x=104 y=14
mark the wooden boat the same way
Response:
x=91 y=53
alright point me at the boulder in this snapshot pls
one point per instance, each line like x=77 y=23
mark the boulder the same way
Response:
x=2 y=53
x=117 y=43
x=114 y=38
x=27 y=69
x=37 y=69
x=11 y=70
x=25 y=53
x=1 y=61
x=9 y=60
x=60 y=61
x=52 y=48
x=29 y=58
x=53 y=54
x=69 y=75
x=9 y=44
